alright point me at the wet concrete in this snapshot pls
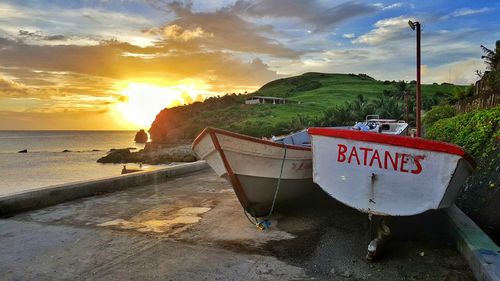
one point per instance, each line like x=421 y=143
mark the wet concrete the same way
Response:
x=193 y=228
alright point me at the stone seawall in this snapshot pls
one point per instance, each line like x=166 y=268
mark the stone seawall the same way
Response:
x=46 y=196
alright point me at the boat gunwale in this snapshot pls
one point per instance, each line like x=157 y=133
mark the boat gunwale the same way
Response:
x=248 y=138
x=395 y=140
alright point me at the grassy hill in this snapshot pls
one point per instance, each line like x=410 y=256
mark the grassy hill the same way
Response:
x=316 y=92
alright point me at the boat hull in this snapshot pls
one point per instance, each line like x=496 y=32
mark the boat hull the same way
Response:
x=387 y=175
x=253 y=167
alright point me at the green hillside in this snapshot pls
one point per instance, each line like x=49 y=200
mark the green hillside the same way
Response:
x=329 y=89
x=316 y=92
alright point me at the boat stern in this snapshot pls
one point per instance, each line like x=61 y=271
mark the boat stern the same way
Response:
x=387 y=174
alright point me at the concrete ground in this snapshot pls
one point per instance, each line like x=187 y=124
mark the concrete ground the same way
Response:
x=193 y=228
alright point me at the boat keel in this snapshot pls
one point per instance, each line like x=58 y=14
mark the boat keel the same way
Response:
x=379 y=234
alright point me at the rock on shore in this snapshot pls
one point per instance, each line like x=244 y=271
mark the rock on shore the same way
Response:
x=117 y=156
x=181 y=153
x=141 y=136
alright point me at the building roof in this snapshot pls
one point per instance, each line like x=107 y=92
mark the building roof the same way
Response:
x=266 y=98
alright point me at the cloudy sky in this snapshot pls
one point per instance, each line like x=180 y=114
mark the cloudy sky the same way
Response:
x=113 y=64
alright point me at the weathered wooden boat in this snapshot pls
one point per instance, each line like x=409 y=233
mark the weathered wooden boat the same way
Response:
x=385 y=174
x=256 y=167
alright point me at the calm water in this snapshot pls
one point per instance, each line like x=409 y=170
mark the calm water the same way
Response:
x=45 y=164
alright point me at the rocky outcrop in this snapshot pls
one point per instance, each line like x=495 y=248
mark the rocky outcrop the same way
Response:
x=117 y=156
x=168 y=125
x=182 y=153
x=186 y=122
x=23 y=151
x=141 y=136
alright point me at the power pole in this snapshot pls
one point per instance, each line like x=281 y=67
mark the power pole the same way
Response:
x=418 y=100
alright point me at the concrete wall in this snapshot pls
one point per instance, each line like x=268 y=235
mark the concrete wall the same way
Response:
x=33 y=199
x=482 y=254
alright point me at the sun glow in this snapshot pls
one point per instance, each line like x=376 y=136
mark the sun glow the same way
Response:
x=142 y=102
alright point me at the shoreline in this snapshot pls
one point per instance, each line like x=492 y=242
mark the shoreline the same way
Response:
x=59 y=193
x=21 y=185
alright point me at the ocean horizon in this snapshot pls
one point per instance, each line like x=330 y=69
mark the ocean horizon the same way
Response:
x=58 y=157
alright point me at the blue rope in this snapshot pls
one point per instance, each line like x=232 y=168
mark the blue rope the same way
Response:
x=265 y=224
x=279 y=182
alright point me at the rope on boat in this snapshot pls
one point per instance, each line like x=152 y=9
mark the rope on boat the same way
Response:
x=266 y=223
x=279 y=182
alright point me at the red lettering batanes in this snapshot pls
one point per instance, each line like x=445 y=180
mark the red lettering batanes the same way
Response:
x=365 y=158
x=391 y=161
x=341 y=153
x=404 y=160
x=376 y=156
x=418 y=164
x=354 y=153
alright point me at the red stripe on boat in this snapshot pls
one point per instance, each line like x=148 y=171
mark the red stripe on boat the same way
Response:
x=240 y=193
x=245 y=137
x=395 y=140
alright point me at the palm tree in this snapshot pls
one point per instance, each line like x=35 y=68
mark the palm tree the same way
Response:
x=344 y=116
x=360 y=107
x=492 y=58
x=490 y=81
x=403 y=89
x=339 y=115
x=387 y=107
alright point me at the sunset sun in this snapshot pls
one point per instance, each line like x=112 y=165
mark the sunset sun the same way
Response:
x=141 y=102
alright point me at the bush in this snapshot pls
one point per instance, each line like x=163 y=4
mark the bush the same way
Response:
x=475 y=131
x=438 y=113
x=479 y=133
x=365 y=76
x=462 y=93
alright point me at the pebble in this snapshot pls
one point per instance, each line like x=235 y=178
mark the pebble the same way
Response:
x=346 y=274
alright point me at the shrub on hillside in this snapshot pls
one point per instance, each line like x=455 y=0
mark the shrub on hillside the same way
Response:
x=365 y=76
x=437 y=113
x=462 y=93
x=475 y=131
x=479 y=133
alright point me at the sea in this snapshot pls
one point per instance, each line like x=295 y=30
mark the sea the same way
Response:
x=45 y=163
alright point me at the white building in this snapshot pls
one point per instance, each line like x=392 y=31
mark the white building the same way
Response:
x=261 y=99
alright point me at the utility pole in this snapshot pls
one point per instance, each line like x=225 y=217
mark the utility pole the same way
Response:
x=406 y=108
x=418 y=100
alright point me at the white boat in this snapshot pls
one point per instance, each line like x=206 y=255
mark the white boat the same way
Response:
x=374 y=124
x=253 y=166
x=384 y=174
